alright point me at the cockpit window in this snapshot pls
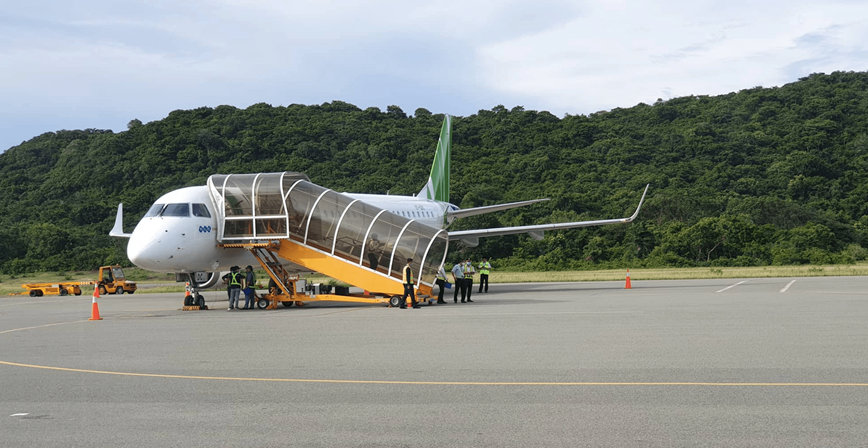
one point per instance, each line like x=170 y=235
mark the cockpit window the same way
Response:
x=201 y=211
x=154 y=211
x=176 y=210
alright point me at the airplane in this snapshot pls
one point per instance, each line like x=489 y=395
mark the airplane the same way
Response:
x=182 y=231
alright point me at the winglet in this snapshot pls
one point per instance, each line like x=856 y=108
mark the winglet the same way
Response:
x=636 y=213
x=118 y=229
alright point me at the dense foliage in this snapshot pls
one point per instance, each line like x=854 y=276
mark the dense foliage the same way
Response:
x=762 y=176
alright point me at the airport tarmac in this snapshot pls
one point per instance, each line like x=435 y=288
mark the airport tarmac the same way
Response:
x=722 y=362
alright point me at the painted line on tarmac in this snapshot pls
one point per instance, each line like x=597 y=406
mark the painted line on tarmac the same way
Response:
x=732 y=286
x=434 y=383
x=788 y=286
x=44 y=302
x=42 y=326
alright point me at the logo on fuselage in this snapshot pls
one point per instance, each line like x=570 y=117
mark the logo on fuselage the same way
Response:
x=204 y=229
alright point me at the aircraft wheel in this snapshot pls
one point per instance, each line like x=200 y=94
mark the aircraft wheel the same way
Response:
x=63 y=292
x=119 y=290
x=200 y=301
x=262 y=303
x=395 y=300
x=188 y=300
x=288 y=304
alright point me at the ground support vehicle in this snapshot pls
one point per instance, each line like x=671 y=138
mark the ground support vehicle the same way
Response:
x=46 y=289
x=113 y=281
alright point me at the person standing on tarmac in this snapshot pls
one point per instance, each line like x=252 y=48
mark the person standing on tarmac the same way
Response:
x=441 y=282
x=409 y=282
x=469 y=270
x=484 y=270
x=249 y=281
x=235 y=279
x=226 y=278
x=458 y=281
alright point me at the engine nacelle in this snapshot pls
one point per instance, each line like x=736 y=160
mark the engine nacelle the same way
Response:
x=203 y=280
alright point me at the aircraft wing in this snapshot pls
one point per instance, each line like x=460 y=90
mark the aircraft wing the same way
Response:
x=455 y=214
x=471 y=237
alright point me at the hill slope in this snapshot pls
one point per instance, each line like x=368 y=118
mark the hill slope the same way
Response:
x=761 y=176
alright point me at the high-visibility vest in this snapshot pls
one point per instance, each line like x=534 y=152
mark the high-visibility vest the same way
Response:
x=469 y=270
x=235 y=279
x=484 y=268
x=408 y=275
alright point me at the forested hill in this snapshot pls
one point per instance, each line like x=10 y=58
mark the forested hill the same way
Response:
x=762 y=176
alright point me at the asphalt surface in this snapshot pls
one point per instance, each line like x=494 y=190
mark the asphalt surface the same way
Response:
x=766 y=362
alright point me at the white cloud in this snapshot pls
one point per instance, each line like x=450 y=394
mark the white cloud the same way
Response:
x=623 y=53
x=71 y=65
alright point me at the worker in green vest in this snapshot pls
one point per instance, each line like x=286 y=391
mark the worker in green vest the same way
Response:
x=235 y=280
x=469 y=271
x=484 y=270
x=409 y=284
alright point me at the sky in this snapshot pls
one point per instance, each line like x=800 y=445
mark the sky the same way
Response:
x=102 y=63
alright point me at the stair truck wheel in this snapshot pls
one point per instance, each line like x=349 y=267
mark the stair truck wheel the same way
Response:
x=34 y=293
x=63 y=291
x=102 y=291
x=395 y=300
x=288 y=304
x=262 y=303
x=119 y=290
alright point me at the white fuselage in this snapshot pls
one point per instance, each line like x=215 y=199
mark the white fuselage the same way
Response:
x=179 y=237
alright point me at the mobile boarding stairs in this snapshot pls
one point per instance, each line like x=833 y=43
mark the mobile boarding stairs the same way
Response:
x=284 y=219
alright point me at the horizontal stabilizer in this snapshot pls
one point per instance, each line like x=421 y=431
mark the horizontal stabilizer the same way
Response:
x=118 y=229
x=471 y=237
x=456 y=214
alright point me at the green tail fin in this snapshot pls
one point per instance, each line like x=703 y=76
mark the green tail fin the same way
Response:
x=437 y=187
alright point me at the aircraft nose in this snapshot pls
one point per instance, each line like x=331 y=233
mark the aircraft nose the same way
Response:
x=140 y=251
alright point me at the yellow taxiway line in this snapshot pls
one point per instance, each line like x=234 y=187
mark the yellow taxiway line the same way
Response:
x=435 y=383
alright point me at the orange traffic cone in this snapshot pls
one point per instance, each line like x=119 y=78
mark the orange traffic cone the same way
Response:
x=628 y=286
x=94 y=312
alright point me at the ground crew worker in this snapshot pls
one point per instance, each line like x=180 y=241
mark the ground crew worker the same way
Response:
x=469 y=270
x=458 y=281
x=441 y=282
x=235 y=279
x=484 y=270
x=249 y=282
x=408 y=287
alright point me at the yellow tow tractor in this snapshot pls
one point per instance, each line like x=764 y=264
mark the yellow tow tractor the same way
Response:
x=111 y=281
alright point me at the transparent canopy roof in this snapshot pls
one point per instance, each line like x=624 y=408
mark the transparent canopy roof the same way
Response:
x=273 y=206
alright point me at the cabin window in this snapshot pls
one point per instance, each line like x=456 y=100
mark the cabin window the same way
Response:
x=154 y=210
x=176 y=210
x=201 y=211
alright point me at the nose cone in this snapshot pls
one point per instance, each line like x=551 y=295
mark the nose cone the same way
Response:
x=142 y=250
